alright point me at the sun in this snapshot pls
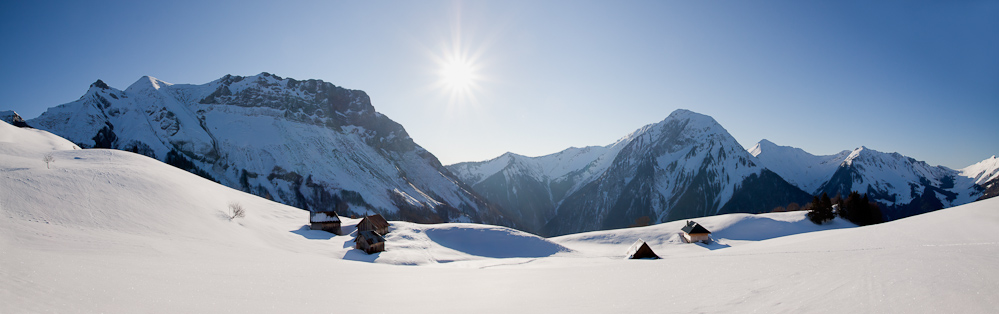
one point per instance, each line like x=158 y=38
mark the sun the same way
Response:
x=457 y=75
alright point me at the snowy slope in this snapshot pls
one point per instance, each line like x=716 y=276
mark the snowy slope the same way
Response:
x=806 y=171
x=533 y=187
x=983 y=171
x=577 y=163
x=730 y=230
x=115 y=232
x=308 y=144
x=904 y=185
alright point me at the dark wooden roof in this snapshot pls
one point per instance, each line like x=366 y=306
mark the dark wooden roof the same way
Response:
x=693 y=227
x=327 y=216
x=369 y=237
x=376 y=221
x=644 y=251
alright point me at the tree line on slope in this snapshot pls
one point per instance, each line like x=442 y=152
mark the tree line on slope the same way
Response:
x=855 y=208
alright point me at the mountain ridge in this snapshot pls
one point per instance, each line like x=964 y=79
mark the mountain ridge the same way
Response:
x=902 y=185
x=684 y=166
x=314 y=145
x=309 y=144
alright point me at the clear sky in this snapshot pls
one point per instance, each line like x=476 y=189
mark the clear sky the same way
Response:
x=471 y=80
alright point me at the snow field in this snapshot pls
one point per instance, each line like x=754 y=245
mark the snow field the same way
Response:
x=115 y=232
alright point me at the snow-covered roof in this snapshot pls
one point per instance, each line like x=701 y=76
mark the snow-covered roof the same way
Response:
x=693 y=227
x=323 y=217
x=640 y=249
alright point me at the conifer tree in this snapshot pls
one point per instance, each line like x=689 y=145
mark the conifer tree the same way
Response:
x=859 y=210
x=821 y=209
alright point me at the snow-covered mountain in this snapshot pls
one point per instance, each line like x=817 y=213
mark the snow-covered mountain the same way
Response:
x=308 y=144
x=682 y=167
x=532 y=187
x=903 y=185
x=806 y=171
x=12 y=118
x=982 y=171
x=986 y=175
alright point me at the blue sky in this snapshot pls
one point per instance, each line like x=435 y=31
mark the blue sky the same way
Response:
x=914 y=77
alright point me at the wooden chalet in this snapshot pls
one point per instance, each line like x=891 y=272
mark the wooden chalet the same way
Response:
x=326 y=221
x=641 y=250
x=375 y=223
x=694 y=232
x=369 y=241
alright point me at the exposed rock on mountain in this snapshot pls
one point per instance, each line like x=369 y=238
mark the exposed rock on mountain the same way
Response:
x=12 y=118
x=685 y=166
x=308 y=144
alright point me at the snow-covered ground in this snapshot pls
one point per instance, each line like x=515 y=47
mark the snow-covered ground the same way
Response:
x=115 y=232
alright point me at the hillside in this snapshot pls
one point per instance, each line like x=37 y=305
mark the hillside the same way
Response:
x=113 y=231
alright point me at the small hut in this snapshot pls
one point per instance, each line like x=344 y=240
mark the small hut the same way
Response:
x=326 y=221
x=369 y=241
x=375 y=223
x=641 y=250
x=694 y=232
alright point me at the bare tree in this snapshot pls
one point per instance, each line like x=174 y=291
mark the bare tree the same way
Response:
x=48 y=159
x=236 y=210
x=793 y=207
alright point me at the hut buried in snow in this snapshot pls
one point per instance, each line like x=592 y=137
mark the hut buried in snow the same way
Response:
x=376 y=223
x=641 y=250
x=369 y=241
x=325 y=221
x=693 y=232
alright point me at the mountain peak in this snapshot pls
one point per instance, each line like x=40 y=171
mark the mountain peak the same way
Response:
x=100 y=84
x=511 y=155
x=11 y=117
x=147 y=82
x=684 y=114
x=982 y=171
x=688 y=127
x=267 y=74
x=761 y=146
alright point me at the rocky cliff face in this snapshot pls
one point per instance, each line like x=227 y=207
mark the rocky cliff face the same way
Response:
x=12 y=118
x=308 y=144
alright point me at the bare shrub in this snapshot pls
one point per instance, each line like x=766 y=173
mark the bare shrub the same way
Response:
x=793 y=207
x=641 y=222
x=48 y=159
x=236 y=210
